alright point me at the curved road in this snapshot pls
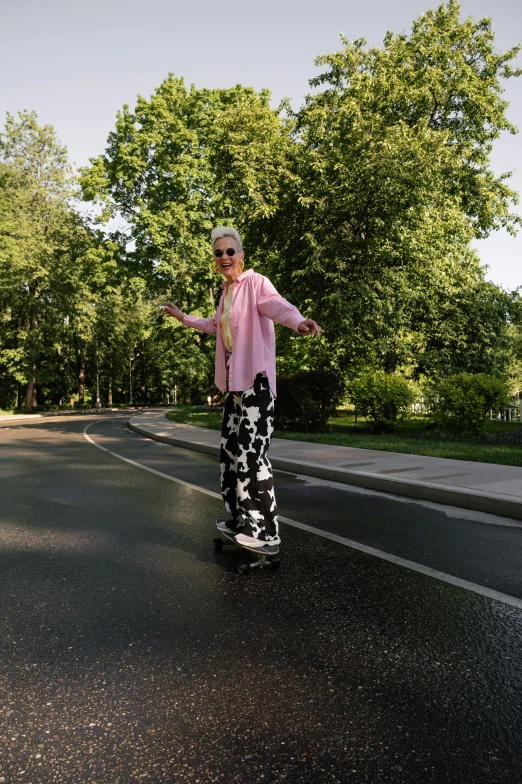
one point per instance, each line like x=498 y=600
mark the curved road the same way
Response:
x=131 y=652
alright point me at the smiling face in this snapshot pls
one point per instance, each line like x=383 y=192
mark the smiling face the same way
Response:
x=228 y=265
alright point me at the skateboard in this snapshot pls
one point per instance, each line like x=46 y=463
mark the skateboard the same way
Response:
x=266 y=555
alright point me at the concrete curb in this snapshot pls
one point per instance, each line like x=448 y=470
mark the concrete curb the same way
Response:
x=196 y=446
x=427 y=491
x=45 y=414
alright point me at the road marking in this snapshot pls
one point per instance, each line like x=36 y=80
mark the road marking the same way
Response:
x=146 y=468
x=415 y=567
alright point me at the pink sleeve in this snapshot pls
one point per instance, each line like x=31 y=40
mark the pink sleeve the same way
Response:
x=208 y=325
x=275 y=307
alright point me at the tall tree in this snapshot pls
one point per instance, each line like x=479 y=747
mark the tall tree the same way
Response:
x=36 y=187
x=178 y=164
x=390 y=183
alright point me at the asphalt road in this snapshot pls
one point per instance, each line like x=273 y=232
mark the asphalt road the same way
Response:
x=131 y=652
x=480 y=548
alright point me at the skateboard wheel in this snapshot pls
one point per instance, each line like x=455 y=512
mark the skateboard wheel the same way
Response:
x=243 y=568
x=275 y=564
x=218 y=545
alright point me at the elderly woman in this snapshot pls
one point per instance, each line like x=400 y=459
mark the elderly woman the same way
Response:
x=246 y=371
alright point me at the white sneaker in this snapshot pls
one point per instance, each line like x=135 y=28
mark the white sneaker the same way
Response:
x=225 y=526
x=250 y=541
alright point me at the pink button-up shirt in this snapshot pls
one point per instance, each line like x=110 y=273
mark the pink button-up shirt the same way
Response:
x=255 y=305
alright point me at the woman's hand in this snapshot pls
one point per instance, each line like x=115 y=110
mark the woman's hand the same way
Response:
x=172 y=310
x=308 y=326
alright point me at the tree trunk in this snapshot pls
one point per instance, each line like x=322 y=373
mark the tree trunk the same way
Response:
x=81 y=380
x=30 y=394
x=390 y=362
x=109 y=391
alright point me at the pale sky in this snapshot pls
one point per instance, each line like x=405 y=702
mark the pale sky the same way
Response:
x=76 y=63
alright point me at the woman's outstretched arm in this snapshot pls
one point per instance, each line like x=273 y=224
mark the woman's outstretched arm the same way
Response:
x=275 y=307
x=208 y=325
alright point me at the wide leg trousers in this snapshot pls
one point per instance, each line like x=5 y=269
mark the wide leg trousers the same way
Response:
x=247 y=484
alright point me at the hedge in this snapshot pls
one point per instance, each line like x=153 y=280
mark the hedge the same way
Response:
x=306 y=401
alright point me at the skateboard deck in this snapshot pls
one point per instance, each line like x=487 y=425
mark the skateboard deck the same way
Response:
x=267 y=549
x=266 y=555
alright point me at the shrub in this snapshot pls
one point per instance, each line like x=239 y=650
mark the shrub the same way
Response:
x=306 y=400
x=381 y=397
x=465 y=399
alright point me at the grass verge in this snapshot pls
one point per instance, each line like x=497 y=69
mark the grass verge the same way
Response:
x=408 y=440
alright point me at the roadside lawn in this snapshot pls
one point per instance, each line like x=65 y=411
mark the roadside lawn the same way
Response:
x=411 y=437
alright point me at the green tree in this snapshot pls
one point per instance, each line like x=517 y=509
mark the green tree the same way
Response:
x=515 y=346
x=390 y=182
x=36 y=185
x=180 y=163
x=71 y=310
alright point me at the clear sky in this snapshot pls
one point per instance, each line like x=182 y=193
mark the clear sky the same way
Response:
x=76 y=63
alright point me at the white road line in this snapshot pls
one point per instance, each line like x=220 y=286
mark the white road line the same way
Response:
x=415 y=567
x=146 y=468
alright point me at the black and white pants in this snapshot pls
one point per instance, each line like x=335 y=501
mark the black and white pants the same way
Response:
x=247 y=484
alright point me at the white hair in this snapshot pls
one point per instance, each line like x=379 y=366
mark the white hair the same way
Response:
x=226 y=231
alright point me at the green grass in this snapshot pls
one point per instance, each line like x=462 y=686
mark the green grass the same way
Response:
x=9 y=411
x=188 y=416
x=408 y=440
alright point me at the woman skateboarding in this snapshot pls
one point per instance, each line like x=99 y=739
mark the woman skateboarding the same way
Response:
x=246 y=372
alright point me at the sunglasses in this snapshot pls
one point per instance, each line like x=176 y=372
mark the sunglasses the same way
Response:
x=229 y=251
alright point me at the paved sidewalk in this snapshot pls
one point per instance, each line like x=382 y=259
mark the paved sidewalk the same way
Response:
x=485 y=487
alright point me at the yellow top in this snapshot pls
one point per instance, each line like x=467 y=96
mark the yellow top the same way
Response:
x=225 y=323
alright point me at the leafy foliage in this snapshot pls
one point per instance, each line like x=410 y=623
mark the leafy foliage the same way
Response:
x=182 y=162
x=389 y=182
x=69 y=312
x=464 y=400
x=43 y=251
x=382 y=397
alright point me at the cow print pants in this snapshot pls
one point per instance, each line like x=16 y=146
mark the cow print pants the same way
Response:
x=247 y=484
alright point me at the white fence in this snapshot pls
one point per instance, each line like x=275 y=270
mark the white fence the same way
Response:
x=419 y=407
x=512 y=413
